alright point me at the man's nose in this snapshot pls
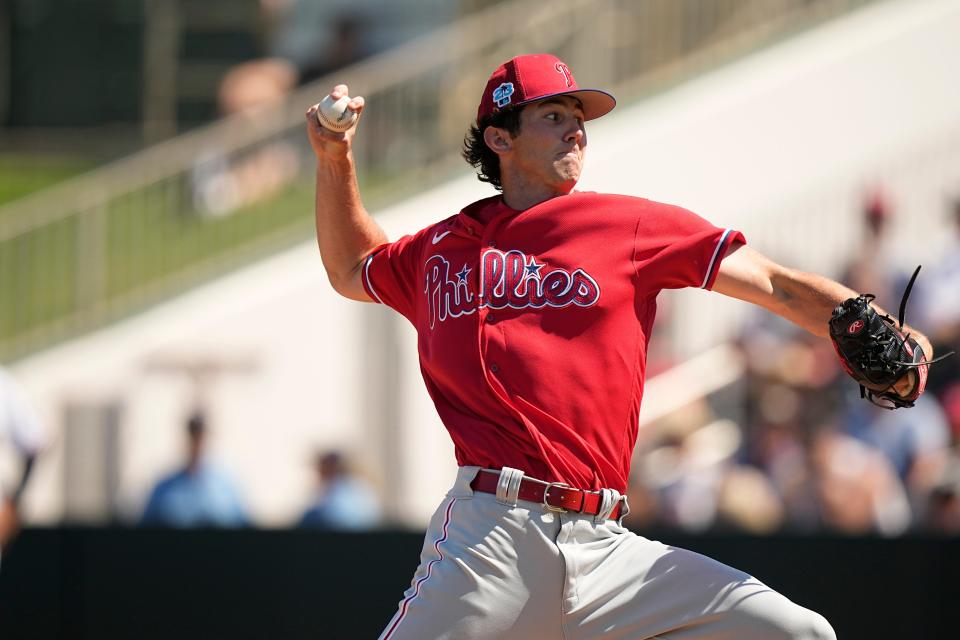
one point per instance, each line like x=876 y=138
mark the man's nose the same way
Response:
x=576 y=134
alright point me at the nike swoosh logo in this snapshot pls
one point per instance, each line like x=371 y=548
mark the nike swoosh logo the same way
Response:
x=437 y=237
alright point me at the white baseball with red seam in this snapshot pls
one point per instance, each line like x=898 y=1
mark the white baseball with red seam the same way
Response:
x=334 y=115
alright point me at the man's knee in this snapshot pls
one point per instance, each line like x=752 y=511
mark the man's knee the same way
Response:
x=774 y=617
x=816 y=627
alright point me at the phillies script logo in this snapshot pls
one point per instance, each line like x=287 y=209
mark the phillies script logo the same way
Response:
x=509 y=279
x=565 y=70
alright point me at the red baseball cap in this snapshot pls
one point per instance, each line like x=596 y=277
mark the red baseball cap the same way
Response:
x=533 y=77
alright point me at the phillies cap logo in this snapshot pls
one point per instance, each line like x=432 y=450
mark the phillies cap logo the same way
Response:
x=855 y=327
x=565 y=70
x=501 y=95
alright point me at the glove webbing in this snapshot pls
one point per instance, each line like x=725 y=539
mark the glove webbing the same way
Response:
x=869 y=394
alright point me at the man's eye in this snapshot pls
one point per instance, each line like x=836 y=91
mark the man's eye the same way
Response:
x=553 y=115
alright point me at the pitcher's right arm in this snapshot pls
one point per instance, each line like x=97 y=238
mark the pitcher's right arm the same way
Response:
x=346 y=233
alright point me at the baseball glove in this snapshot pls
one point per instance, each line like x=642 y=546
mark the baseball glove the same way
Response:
x=876 y=352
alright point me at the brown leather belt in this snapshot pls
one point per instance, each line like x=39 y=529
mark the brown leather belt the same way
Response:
x=553 y=495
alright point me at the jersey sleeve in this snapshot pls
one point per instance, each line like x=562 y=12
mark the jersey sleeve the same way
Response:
x=676 y=248
x=391 y=274
x=19 y=420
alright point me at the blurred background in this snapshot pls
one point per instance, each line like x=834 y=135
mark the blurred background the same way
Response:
x=189 y=415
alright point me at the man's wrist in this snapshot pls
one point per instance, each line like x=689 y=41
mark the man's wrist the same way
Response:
x=336 y=165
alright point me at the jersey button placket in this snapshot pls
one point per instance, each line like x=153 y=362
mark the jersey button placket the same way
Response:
x=487 y=318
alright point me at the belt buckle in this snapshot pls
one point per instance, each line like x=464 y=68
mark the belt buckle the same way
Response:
x=546 y=494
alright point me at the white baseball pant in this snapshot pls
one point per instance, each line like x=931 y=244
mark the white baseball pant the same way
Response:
x=492 y=570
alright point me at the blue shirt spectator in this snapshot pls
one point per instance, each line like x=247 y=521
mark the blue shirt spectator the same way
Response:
x=344 y=502
x=202 y=497
x=199 y=495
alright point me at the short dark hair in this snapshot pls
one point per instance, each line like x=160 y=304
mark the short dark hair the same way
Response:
x=196 y=424
x=483 y=158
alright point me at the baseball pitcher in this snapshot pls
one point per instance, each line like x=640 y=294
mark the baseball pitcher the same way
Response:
x=533 y=309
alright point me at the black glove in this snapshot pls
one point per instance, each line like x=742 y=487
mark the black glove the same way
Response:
x=876 y=352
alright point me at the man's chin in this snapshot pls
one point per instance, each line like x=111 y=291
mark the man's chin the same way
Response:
x=569 y=172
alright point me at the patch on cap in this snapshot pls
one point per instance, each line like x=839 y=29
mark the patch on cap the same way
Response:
x=501 y=95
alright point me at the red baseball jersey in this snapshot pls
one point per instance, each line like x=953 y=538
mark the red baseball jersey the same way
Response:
x=533 y=325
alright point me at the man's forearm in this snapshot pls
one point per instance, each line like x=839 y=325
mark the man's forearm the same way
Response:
x=346 y=233
x=808 y=299
x=805 y=299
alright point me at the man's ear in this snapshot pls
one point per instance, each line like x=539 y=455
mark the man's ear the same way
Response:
x=497 y=139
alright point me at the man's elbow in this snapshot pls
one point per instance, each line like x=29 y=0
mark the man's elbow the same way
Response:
x=348 y=285
x=339 y=283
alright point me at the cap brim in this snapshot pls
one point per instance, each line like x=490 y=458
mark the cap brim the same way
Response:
x=595 y=102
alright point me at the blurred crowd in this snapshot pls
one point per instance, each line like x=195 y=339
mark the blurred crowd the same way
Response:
x=804 y=452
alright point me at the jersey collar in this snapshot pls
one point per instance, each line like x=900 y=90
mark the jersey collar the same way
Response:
x=474 y=218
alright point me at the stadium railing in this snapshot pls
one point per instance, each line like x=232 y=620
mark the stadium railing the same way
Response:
x=103 y=245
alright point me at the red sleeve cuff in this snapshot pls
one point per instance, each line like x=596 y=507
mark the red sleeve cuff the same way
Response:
x=365 y=279
x=728 y=237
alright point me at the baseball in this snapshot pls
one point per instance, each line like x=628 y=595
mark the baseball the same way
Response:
x=334 y=114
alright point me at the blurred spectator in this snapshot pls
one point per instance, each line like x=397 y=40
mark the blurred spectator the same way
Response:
x=749 y=503
x=644 y=512
x=871 y=270
x=312 y=38
x=343 y=500
x=851 y=473
x=222 y=186
x=21 y=428
x=855 y=489
x=309 y=39
x=915 y=441
x=936 y=305
x=950 y=400
x=780 y=450
x=943 y=510
x=200 y=494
